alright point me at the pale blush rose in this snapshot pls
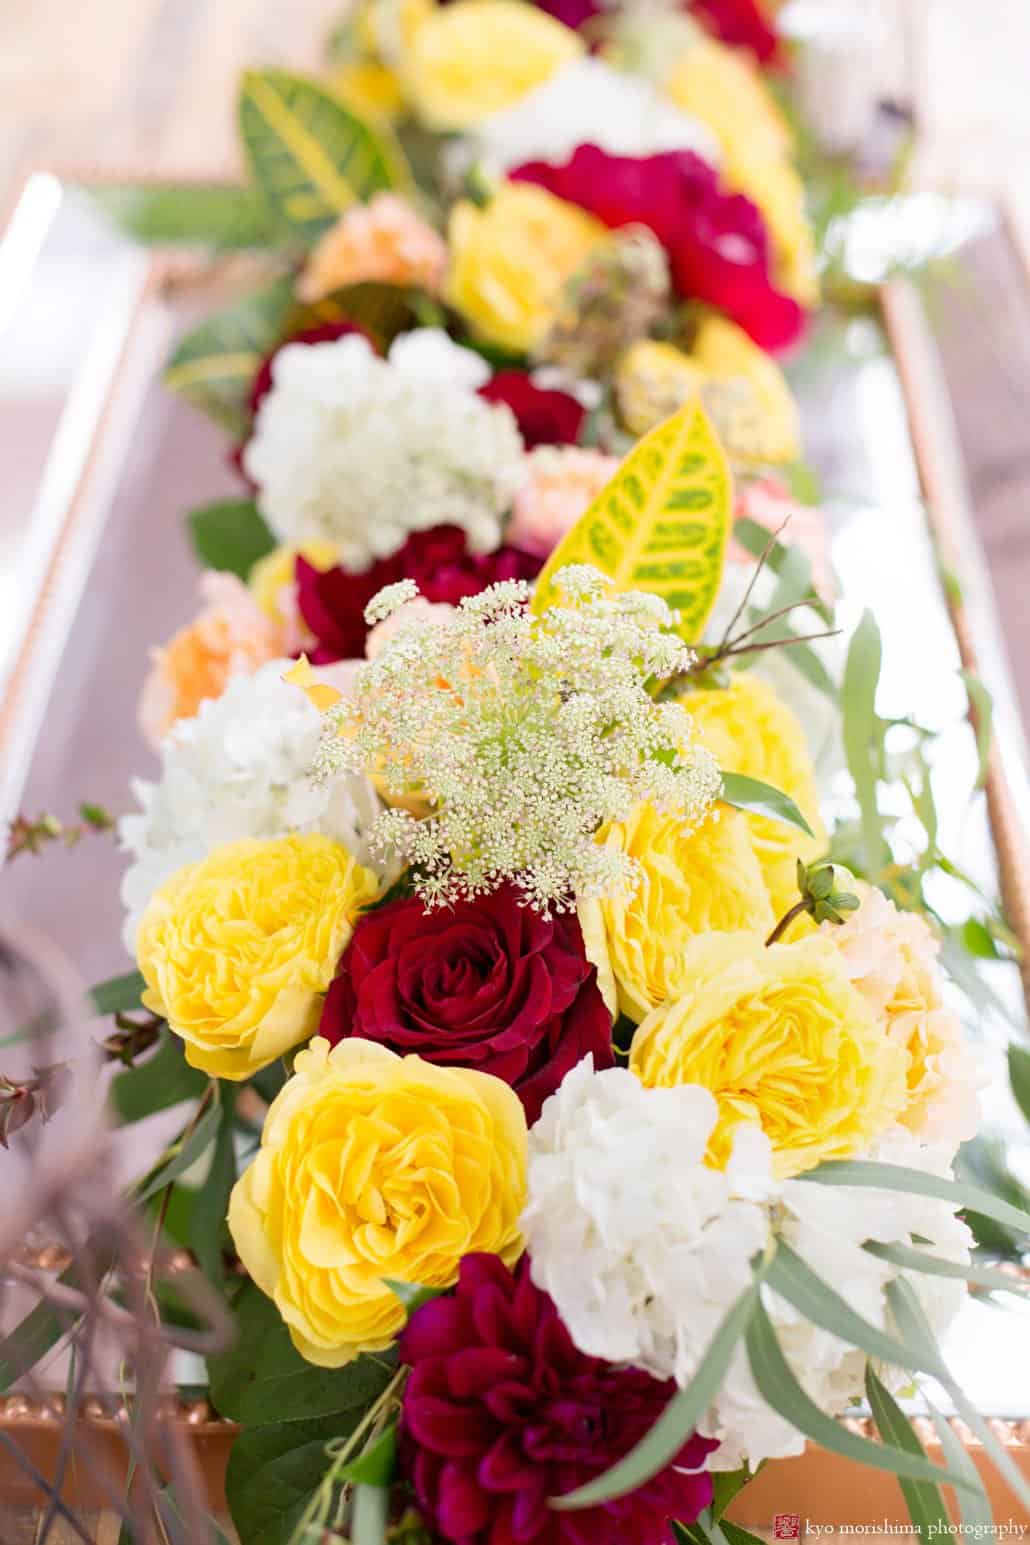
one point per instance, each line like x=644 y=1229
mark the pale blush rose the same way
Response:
x=891 y=957
x=423 y=612
x=769 y=504
x=383 y=241
x=230 y=636
x=563 y=482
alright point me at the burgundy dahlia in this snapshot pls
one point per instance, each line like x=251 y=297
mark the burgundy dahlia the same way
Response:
x=333 y=603
x=741 y=24
x=717 y=242
x=487 y=984
x=502 y=1412
x=544 y=416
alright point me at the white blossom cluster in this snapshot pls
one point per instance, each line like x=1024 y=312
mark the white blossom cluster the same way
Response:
x=587 y=102
x=361 y=451
x=238 y=769
x=515 y=738
x=644 y=1248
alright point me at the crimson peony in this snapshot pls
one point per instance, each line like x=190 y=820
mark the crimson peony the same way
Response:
x=502 y=1412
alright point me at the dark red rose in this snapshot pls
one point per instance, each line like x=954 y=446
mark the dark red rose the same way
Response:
x=501 y=1412
x=742 y=24
x=486 y=984
x=574 y=13
x=718 y=245
x=333 y=603
x=544 y=416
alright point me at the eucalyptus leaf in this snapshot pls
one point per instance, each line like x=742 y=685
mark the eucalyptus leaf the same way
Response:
x=780 y=1388
x=981 y=708
x=923 y=1499
x=680 y=1417
x=862 y=731
x=230 y=535
x=760 y=798
x=370 y=1513
x=974 y=1506
x=181 y=1154
x=911 y=1259
x=897 y=1177
x=44 y=1326
x=1019 y=1076
x=208 y=1221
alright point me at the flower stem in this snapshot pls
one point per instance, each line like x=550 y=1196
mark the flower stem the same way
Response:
x=785 y=922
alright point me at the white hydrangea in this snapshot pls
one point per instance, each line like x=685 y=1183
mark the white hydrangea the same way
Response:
x=587 y=102
x=238 y=769
x=361 y=451
x=644 y=1248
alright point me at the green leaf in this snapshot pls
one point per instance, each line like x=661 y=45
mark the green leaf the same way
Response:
x=725 y=1486
x=370 y=1512
x=378 y=1464
x=661 y=524
x=43 y=1327
x=273 y=1471
x=119 y=995
x=230 y=535
x=223 y=216
x=795 y=1281
x=862 y=732
x=978 y=940
x=779 y=1387
x=182 y=1154
x=381 y=310
x=208 y=1221
x=262 y=1379
x=269 y=1081
x=974 y=1505
x=163 y=1080
x=214 y=365
x=311 y=156
x=981 y=713
x=983 y=1161
x=707 y=1530
x=896 y=1177
x=911 y=1259
x=923 y=1499
x=762 y=799
x=1019 y=1075
x=412 y=1294
x=913 y=1325
x=680 y=1417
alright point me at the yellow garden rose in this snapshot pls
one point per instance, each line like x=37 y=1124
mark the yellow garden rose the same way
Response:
x=510 y=260
x=750 y=731
x=782 y=1039
x=369 y=88
x=272 y=577
x=480 y=56
x=692 y=882
x=743 y=390
x=237 y=949
x=375 y=1166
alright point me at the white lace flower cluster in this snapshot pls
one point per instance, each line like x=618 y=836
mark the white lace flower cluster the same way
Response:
x=361 y=451
x=644 y=1248
x=517 y=737
x=238 y=769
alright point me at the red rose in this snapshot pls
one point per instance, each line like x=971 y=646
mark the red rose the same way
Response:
x=717 y=242
x=544 y=417
x=333 y=603
x=487 y=984
x=740 y=23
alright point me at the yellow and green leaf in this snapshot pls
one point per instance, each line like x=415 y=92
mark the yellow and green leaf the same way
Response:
x=214 y=365
x=661 y=524
x=309 y=154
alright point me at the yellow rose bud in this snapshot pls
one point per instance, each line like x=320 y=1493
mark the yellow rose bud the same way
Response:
x=749 y=730
x=237 y=949
x=691 y=882
x=783 y=1040
x=375 y=1166
x=743 y=390
x=480 y=56
x=510 y=260
x=272 y=577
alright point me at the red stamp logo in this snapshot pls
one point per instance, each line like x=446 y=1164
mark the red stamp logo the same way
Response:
x=787 y=1526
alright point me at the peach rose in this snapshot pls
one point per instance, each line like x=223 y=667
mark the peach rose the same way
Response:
x=230 y=635
x=383 y=241
x=563 y=481
x=769 y=504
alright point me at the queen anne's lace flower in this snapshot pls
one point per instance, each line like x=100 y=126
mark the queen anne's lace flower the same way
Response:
x=644 y=1248
x=519 y=737
x=360 y=451
x=237 y=770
